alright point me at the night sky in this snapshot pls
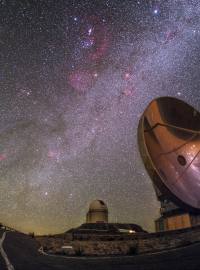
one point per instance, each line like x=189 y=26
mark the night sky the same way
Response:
x=75 y=78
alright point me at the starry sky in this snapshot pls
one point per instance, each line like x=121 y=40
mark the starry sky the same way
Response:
x=75 y=78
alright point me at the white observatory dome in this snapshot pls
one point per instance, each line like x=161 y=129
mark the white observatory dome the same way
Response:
x=98 y=205
x=98 y=212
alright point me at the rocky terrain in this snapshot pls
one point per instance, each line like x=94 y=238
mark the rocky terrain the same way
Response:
x=118 y=244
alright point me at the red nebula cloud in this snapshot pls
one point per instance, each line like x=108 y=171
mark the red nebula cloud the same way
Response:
x=127 y=75
x=81 y=80
x=100 y=38
x=2 y=157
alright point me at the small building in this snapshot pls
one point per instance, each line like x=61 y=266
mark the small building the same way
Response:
x=177 y=219
x=98 y=212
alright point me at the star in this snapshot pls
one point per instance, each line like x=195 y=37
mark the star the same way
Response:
x=75 y=79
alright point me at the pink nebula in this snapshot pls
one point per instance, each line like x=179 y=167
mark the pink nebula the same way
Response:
x=4 y=155
x=127 y=75
x=100 y=38
x=81 y=80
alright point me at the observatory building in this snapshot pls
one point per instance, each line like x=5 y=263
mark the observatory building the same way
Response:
x=98 y=212
x=169 y=143
x=97 y=222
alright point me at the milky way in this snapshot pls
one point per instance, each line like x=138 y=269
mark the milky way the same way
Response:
x=75 y=80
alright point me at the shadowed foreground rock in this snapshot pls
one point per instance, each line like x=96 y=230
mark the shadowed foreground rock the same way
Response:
x=118 y=244
x=22 y=252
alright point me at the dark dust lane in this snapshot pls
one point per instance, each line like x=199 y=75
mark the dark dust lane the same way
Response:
x=22 y=252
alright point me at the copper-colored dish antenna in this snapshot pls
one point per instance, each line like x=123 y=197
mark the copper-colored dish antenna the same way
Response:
x=169 y=143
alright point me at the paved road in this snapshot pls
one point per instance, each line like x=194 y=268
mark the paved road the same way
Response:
x=22 y=253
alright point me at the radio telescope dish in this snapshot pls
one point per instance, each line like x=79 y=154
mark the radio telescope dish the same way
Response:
x=169 y=143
